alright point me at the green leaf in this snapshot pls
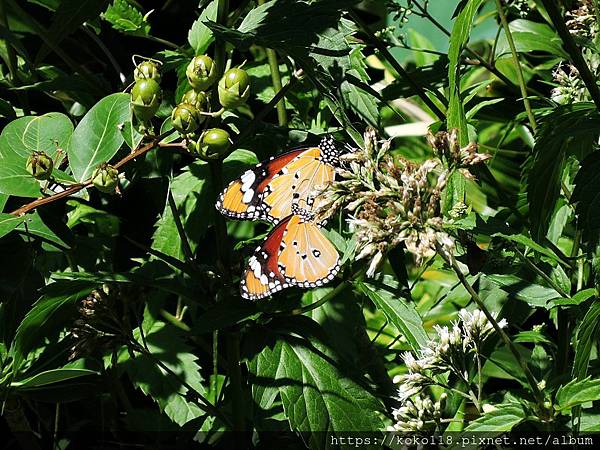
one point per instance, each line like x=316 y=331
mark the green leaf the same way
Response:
x=131 y=135
x=19 y=139
x=530 y=37
x=126 y=18
x=166 y=345
x=533 y=294
x=315 y=394
x=33 y=224
x=587 y=333
x=47 y=314
x=194 y=196
x=527 y=242
x=200 y=36
x=52 y=376
x=69 y=16
x=577 y=392
x=501 y=419
x=458 y=39
x=8 y=222
x=569 y=130
x=577 y=299
x=97 y=138
x=402 y=315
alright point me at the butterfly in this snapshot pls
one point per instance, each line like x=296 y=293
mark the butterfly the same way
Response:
x=267 y=191
x=294 y=253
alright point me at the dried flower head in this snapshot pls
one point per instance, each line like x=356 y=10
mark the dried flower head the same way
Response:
x=103 y=320
x=392 y=201
x=581 y=20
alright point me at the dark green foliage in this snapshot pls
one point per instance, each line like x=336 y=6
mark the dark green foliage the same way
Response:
x=121 y=319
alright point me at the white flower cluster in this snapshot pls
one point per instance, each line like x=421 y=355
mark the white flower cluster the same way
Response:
x=450 y=352
x=391 y=201
x=418 y=414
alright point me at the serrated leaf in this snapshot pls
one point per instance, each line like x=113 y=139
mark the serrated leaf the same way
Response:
x=402 y=315
x=166 y=345
x=126 y=18
x=98 y=137
x=569 y=130
x=46 y=314
x=577 y=299
x=576 y=393
x=19 y=139
x=315 y=394
x=200 y=36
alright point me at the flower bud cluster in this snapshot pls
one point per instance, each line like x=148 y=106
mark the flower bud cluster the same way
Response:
x=146 y=93
x=392 y=201
x=451 y=352
x=233 y=90
x=419 y=413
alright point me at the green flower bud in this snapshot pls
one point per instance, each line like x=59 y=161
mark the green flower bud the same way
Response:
x=105 y=178
x=40 y=166
x=185 y=118
x=234 y=88
x=201 y=72
x=196 y=98
x=213 y=143
x=147 y=70
x=145 y=99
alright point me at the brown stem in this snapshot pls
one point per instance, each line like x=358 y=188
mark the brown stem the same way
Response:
x=79 y=186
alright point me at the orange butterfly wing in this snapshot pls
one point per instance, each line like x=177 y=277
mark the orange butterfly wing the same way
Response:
x=242 y=199
x=296 y=182
x=307 y=259
x=295 y=253
x=262 y=276
x=268 y=191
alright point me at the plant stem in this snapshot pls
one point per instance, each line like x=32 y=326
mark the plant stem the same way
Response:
x=199 y=399
x=185 y=243
x=79 y=186
x=235 y=375
x=515 y=56
x=541 y=273
x=397 y=67
x=173 y=320
x=539 y=397
x=222 y=13
x=276 y=78
x=489 y=66
x=573 y=50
